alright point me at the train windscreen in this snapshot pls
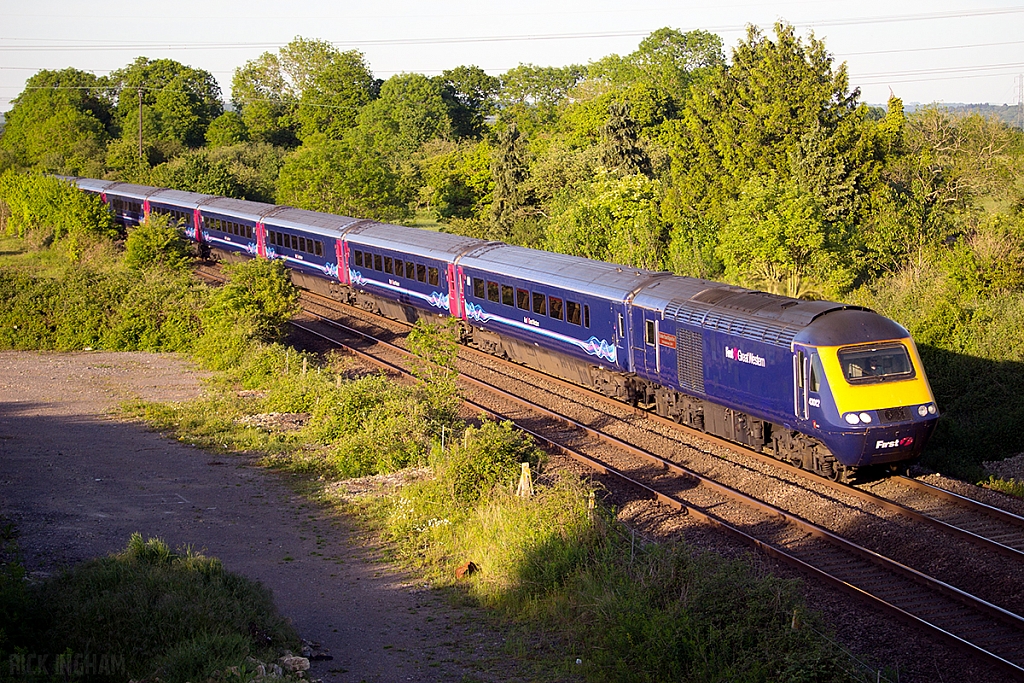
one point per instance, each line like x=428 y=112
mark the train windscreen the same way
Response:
x=880 y=363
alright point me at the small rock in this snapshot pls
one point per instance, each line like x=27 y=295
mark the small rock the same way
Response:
x=294 y=663
x=466 y=569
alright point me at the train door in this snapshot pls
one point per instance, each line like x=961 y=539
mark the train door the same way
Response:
x=644 y=341
x=802 y=381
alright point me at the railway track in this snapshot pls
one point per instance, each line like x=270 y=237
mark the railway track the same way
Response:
x=988 y=631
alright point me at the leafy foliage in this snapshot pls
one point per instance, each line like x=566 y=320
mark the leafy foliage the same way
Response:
x=259 y=297
x=156 y=240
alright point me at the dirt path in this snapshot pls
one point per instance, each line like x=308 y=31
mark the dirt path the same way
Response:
x=77 y=483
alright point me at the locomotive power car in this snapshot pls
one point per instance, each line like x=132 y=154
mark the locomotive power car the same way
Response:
x=827 y=386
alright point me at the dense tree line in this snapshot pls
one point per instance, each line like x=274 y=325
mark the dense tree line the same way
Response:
x=762 y=168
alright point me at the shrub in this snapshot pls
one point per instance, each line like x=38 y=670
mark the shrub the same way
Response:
x=157 y=240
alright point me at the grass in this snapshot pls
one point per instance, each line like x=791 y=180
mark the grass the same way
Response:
x=1010 y=487
x=144 y=613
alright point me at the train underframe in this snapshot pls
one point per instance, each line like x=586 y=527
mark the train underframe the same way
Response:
x=766 y=437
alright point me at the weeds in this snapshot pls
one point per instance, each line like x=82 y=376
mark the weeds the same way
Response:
x=1009 y=486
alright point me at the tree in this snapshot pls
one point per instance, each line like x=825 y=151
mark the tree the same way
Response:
x=531 y=95
x=614 y=218
x=510 y=171
x=470 y=95
x=667 y=60
x=778 y=239
x=308 y=88
x=195 y=171
x=178 y=101
x=410 y=111
x=621 y=150
x=260 y=91
x=342 y=176
x=457 y=179
x=227 y=129
x=747 y=119
x=59 y=123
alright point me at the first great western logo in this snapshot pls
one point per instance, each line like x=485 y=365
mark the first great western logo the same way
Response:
x=733 y=353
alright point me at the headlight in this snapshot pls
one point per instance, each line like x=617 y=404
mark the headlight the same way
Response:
x=922 y=410
x=852 y=418
x=931 y=408
x=865 y=418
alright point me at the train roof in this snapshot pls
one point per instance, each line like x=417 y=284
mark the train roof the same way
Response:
x=327 y=224
x=238 y=208
x=850 y=326
x=572 y=273
x=759 y=316
x=181 y=198
x=129 y=190
x=90 y=184
x=424 y=243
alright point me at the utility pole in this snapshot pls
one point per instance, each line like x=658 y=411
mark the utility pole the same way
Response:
x=1020 y=101
x=140 y=122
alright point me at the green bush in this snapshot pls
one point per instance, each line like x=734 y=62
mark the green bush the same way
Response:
x=150 y=612
x=157 y=240
x=34 y=201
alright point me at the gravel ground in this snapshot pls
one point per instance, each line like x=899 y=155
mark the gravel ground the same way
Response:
x=77 y=483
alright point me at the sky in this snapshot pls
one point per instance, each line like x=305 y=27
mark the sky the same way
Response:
x=923 y=51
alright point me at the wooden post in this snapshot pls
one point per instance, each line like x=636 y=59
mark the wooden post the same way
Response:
x=525 y=482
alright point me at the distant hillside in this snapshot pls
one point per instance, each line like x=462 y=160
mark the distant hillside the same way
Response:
x=1008 y=113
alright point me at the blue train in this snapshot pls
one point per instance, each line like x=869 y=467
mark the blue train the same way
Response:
x=827 y=386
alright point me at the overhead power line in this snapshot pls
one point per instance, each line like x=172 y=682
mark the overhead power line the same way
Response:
x=50 y=44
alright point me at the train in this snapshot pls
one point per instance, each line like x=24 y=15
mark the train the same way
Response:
x=833 y=388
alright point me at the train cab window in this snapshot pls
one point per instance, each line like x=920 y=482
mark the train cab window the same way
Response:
x=410 y=270
x=389 y=265
x=479 y=288
x=523 y=299
x=649 y=332
x=357 y=257
x=816 y=373
x=572 y=313
x=319 y=246
x=869 y=364
x=432 y=276
x=421 y=272
x=555 y=307
x=622 y=327
x=539 y=304
x=586 y=316
x=378 y=262
x=493 y=292
x=508 y=295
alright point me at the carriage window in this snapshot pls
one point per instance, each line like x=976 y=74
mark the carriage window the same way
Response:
x=302 y=244
x=539 y=302
x=389 y=265
x=399 y=268
x=523 y=299
x=586 y=316
x=319 y=247
x=493 y=292
x=479 y=288
x=649 y=332
x=378 y=262
x=410 y=270
x=622 y=327
x=555 y=307
x=421 y=272
x=432 y=276
x=508 y=295
x=248 y=231
x=572 y=312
